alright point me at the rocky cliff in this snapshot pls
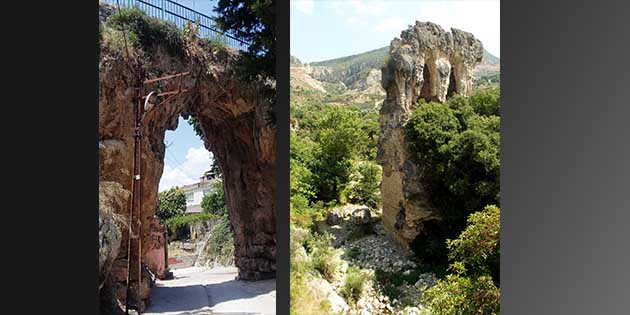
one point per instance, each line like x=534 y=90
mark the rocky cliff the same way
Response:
x=425 y=62
x=233 y=116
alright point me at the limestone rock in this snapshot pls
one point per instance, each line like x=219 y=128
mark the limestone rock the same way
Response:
x=361 y=216
x=425 y=62
x=333 y=218
x=337 y=304
x=112 y=200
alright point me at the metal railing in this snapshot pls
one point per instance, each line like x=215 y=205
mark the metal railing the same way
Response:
x=179 y=15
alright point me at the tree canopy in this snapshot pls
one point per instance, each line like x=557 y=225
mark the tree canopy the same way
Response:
x=172 y=203
x=252 y=21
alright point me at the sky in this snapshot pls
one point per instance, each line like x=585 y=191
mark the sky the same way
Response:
x=186 y=159
x=325 y=29
x=203 y=6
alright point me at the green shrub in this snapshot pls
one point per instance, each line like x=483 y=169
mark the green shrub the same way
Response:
x=339 y=141
x=353 y=253
x=477 y=247
x=470 y=289
x=353 y=285
x=171 y=203
x=148 y=30
x=364 y=186
x=486 y=101
x=389 y=282
x=457 y=147
x=322 y=255
x=460 y=295
x=214 y=202
x=220 y=246
x=176 y=222
x=115 y=40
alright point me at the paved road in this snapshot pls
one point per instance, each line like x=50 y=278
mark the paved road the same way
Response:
x=203 y=291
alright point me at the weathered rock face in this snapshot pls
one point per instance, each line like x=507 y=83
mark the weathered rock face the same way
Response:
x=234 y=117
x=113 y=199
x=426 y=62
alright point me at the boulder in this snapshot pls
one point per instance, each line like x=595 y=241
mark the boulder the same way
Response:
x=361 y=216
x=333 y=218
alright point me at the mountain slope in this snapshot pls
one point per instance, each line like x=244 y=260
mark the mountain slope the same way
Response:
x=357 y=78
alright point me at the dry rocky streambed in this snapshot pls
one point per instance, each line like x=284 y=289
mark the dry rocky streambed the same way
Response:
x=395 y=278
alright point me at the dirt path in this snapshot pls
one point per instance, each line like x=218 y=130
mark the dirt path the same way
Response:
x=202 y=291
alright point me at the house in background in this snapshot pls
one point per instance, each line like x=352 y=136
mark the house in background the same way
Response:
x=195 y=192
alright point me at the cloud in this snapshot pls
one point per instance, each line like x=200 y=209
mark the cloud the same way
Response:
x=304 y=6
x=390 y=24
x=369 y=7
x=355 y=20
x=198 y=160
x=464 y=15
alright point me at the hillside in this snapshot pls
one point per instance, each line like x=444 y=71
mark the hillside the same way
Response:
x=357 y=78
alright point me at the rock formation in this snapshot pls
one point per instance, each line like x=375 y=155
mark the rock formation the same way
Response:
x=426 y=62
x=232 y=115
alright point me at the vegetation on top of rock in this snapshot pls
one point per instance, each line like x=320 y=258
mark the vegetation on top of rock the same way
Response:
x=148 y=31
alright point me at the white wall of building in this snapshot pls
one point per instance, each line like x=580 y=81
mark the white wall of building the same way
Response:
x=194 y=194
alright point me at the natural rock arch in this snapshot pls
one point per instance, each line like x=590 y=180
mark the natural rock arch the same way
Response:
x=425 y=62
x=236 y=124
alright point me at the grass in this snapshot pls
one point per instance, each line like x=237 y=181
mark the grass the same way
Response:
x=323 y=255
x=353 y=285
x=220 y=247
x=149 y=31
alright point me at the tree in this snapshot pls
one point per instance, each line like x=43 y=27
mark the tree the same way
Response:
x=457 y=146
x=339 y=141
x=171 y=203
x=214 y=202
x=252 y=21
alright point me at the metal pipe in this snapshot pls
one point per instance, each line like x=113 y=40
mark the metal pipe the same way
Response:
x=138 y=145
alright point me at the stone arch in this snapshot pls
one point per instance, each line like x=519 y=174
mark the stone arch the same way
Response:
x=425 y=62
x=234 y=117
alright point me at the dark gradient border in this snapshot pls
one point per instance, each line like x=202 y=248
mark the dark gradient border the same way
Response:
x=565 y=157
x=282 y=157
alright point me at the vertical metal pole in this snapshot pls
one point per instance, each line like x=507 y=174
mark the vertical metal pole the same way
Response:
x=138 y=145
x=134 y=195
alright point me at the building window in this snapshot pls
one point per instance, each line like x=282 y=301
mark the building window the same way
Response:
x=189 y=197
x=206 y=192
